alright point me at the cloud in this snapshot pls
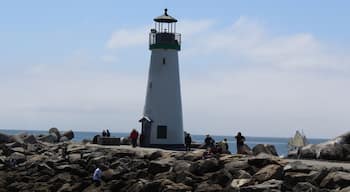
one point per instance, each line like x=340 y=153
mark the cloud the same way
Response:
x=252 y=42
x=123 y=38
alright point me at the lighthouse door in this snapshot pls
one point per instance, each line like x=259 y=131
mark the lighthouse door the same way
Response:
x=145 y=137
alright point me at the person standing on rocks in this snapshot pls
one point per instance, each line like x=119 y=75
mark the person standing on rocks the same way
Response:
x=108 y=134
x=96 y=177
x=133 y=136
x=188 y=141
x=240 y=142
x=104 y=134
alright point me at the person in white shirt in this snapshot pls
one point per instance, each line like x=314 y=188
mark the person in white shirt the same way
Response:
x=96 y=177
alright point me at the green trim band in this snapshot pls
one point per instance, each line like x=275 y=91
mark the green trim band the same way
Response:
x=165 y=46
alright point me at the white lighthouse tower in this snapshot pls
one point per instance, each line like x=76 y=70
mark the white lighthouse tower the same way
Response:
x=162 y=115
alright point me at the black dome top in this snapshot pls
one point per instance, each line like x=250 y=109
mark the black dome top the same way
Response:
x=165 y=18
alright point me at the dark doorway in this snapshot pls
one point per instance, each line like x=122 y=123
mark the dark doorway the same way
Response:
x=145 y=137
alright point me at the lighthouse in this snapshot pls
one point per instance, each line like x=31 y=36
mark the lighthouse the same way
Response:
x=162 y=115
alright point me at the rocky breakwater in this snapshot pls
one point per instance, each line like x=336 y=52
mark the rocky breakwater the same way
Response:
x=335 y=149
x=42 y=167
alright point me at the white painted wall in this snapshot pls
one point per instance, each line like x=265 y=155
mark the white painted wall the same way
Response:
x=163 y=98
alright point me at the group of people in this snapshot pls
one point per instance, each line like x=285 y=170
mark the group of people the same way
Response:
x=106 y=133
x=216 y=148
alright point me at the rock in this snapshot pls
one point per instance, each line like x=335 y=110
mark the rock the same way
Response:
x=297 y=166
x=18 y=149
x=346 y=189
x=271 y=185
x=336 y=179
x=125 y=141
x=4 y=138
x=155 y=155
x=263 y=159
x=181 y=166
x=245 y=150
x=317 y=177
x=238 y=183
x=269 y=172
x=330 y=152
x=346 y=152
x=45 y=169
x=206 y=187
x=64 y=139
x=304 y=186
x=107 y=175
x=49 y=138
x=222 y=177
x=166 y=185
x=342 y=139
x=74 y=169
x=238 y=164
x=308 y=152
x=55 y=132
x=69 y=134
x=158 y=167
x=240 y=174
x=19 y=157
x=292 y=178
x=204 y=166
x=265 y=148
x=193 y=156
x=30 y=139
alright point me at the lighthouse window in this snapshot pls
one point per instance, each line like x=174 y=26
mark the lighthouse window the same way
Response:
x=162 y=132
x=163 y=60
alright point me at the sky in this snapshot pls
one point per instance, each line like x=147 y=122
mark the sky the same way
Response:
x=265 y=68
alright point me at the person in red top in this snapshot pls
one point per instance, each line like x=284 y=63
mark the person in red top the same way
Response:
x=133 y=136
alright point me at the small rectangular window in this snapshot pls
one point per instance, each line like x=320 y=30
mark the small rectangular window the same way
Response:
x=163 y=60
x=162 y=132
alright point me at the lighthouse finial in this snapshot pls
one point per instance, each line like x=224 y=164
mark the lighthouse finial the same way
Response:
x=166 y=11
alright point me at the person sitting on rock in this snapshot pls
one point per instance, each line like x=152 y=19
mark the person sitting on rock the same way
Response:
x=240 y=142
x=224 y=146
x=96 y=177
x=108 y=134
x=209 y=141
x=188 y=141
x=104 y=133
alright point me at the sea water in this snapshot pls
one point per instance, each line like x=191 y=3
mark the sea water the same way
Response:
x=281 y=144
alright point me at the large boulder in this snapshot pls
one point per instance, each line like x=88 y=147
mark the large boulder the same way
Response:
x=69 y=134
x=205 y=166
x=262 y=160
x=222 y=177
x=269 y=172
x=265 y=148
x=308 y=152
x=49 y=138
x=30 y=139
x=245 y=150
x=158 y=167
x=330 y=151
x=55 y=132
x=336 y=179
x=4 y=138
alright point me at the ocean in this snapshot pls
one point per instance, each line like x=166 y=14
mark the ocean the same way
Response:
x=281 y=144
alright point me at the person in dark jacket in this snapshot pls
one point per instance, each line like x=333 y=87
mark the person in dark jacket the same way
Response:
x=188 y=141
x=108 y=134
x=240 y=141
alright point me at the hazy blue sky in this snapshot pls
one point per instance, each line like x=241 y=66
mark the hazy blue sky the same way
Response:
x=265 y=68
